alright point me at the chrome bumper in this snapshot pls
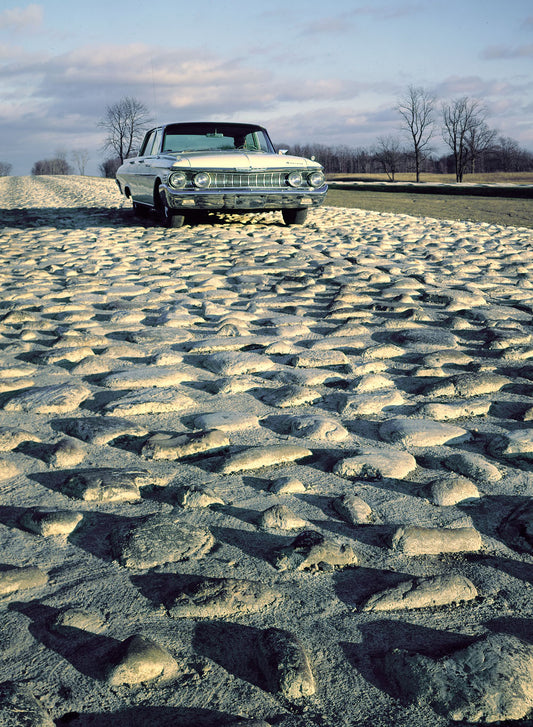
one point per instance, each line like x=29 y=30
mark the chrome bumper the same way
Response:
x=243 y=199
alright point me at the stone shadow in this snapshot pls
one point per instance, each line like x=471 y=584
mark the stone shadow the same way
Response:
x=143 y=716
x=85 y=650
x=522 y=628
x=91 y=534
x=515 y=568
x=354 y=585
x=492 y=515
x=382 y=636
x=10 y=516
x=376 y=535
x=259 y=544
x=162 y=588
x=245 y=515
x=73 y=218
x=232 y=646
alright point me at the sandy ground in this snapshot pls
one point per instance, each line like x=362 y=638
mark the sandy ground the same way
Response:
x=178 y=406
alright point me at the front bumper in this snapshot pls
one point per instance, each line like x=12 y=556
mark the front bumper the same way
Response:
x=233 y=199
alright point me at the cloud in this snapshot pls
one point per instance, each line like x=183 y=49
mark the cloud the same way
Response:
x=339 y=24
x=480 y=88
x=20 y=19
x=57 y=100
x=387 y=12
x=183 y=80
x=495 y=52
x=343 y=22
x=333 y=126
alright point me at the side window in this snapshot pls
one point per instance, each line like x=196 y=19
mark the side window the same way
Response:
x=255 y=142
x=251 y=142
x=148 y=143
x=156 y=146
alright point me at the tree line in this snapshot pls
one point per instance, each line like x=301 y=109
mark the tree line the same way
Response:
x=473 y=145
x=389 y=157
x=461 y=124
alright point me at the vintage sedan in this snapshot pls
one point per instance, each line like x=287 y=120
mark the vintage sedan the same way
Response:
x=218 y=167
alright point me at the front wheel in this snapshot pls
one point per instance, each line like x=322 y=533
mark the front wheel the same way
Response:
x=175 y=221
x=294 y=216
x=166 y=215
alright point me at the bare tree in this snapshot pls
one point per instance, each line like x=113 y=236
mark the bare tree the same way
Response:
x=479 y=139
x=416 y=110
x=51 y=166
x=508 y=156
x=389 y=154
x=504 y=154
x=5 y=169
x=125 y=123
x=508 y=152
x=464 y=122
x=80 y=157
x=108 y=168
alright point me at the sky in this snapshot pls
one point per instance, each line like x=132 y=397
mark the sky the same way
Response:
x=311 y=71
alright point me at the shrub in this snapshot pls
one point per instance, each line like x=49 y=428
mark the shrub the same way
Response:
x=51 y=166
x=108 y=168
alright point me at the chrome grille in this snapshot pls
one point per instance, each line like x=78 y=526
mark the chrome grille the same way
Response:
x=248 y=180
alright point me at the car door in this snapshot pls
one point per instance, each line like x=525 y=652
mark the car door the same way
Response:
x=148 y=166
x=138 y=171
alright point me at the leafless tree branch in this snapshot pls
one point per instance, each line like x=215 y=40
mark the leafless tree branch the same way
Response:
x=416 y=110
x=125 y=123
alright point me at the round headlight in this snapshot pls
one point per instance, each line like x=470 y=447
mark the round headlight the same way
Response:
x=316 y=179
x=202 y=179
x=295 y=179
x=178 y=180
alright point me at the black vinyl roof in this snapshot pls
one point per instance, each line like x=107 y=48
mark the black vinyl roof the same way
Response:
x=202 y=127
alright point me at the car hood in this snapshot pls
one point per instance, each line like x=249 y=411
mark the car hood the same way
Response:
x=240 y=161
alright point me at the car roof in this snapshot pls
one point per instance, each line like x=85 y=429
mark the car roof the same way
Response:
x=219 y=124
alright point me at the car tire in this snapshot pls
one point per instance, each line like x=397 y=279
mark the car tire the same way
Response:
x=166 y=215
x=294 y=216
x=175 y=221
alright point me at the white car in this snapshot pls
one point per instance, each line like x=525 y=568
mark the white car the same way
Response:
x=218 y=167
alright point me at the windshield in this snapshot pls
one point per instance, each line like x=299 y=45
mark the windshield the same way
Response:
x=215 y=137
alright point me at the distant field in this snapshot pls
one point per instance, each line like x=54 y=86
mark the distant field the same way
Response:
x=494 y=178
x=493 y=210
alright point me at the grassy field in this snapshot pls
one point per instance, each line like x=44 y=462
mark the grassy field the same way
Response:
x=493 y=178
x=494 y=210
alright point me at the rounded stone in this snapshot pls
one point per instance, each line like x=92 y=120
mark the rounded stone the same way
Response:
x=137 y=660
x=285 y=664
x=280 y=517
x=422 y=593
x=447 y=491
x=375 y=464
x=415 y=540
x=422 y=432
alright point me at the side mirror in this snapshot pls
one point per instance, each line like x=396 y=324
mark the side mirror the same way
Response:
x=282 y=151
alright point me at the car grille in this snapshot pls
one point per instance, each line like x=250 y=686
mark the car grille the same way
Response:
x=248 y=180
